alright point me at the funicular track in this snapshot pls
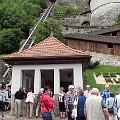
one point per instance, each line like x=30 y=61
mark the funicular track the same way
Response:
x=30 y=40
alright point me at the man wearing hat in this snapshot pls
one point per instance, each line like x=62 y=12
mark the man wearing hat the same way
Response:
x=69 y=100
x=87 y=92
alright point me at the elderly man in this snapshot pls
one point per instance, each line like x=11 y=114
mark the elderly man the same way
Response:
x=106 y=93
x=69 y=99
x=87 y=92
x=95 y=107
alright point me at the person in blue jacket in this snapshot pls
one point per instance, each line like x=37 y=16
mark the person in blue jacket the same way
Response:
x=81 y=105
x=106 y=93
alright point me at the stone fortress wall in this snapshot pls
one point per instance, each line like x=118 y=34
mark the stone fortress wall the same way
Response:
x=104 y=12
x=76 y=20
x=77 y=29
x=105 y=59
x=77 y=24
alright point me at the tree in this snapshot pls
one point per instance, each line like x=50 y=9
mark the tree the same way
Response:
x=15 y=16
x=10 y=40
x=16 y=19
x=89 y=2
x=19 y=14
x=43 y=3
x=32 y=9
x=118 y=20
x=44 y=30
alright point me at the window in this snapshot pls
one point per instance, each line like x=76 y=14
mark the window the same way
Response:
x=110 y=45
x=86 y=23
x=66 y=28
x=114 y=34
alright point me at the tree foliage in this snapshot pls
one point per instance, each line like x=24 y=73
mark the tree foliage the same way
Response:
x=67 y=10
x=10 y=40
x=45 y=28
x=18 y=16
x=118 y=20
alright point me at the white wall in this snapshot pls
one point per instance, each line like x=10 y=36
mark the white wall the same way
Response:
x=17 y=78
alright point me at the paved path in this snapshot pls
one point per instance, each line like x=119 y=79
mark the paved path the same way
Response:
x=8 y=117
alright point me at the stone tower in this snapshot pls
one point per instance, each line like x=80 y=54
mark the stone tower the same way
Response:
x=104 y=12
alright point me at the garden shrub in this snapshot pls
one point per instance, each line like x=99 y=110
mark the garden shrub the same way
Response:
x=93 y=65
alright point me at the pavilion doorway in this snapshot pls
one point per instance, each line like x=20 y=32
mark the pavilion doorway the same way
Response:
x=47 y=78
x=66 y=78
x=28 y=79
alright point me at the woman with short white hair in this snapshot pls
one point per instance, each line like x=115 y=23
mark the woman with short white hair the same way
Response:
x=95 y=107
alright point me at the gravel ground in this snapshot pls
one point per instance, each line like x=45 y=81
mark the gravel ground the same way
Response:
x=8 y=117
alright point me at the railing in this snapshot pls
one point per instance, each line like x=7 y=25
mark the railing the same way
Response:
x=42 y=18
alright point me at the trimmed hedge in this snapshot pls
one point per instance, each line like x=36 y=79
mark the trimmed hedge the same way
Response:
x=89 y=78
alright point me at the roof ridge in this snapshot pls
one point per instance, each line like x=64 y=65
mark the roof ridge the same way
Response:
x=51 y=46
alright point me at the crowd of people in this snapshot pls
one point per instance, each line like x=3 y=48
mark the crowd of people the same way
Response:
x=90 y=104
x=76 y=104
x=5 y=97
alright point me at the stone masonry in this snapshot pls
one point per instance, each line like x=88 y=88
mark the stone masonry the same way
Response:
x=104 y=12
x=105 y=59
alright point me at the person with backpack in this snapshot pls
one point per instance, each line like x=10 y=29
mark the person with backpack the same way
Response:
x=110 y=103
x=47 y=104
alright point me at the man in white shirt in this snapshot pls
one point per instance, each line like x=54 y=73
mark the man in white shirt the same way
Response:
x=30 y=103
x=95 y=107
x=87 y=92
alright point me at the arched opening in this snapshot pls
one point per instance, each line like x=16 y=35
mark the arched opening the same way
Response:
x=86 y=23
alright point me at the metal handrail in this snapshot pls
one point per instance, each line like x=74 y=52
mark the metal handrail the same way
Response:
x=34 y=29
x=43 y=21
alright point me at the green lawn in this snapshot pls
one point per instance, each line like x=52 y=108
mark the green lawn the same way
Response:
x=1 y=56
x=89 y=79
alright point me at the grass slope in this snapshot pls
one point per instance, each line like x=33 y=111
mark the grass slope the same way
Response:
x=89 y=79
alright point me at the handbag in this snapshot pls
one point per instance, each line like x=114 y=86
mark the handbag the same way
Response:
x=74 y=111
x=111 y=110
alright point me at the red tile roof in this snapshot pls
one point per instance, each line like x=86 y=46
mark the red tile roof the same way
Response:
x=48 y=47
